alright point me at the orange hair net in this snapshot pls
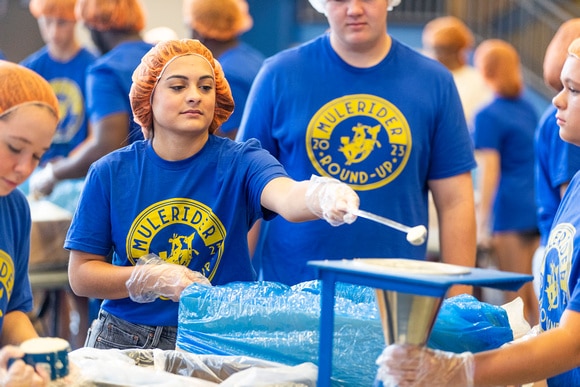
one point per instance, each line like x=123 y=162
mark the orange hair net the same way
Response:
x=146 y=75
x=449 y=32
x=20 y=85
x=116 y=15
x=218 y=19
x=499 y=63
x=557 y=52
x=61 y=9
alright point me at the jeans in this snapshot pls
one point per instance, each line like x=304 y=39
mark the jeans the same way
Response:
x=108 y=331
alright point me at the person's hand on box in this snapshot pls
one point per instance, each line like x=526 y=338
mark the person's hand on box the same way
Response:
x=152 y=278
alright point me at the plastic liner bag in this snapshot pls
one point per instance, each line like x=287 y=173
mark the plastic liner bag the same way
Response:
x=275 y=322
x=127 y=368
x=466 y=324
x=156 y=367
x=515 y=312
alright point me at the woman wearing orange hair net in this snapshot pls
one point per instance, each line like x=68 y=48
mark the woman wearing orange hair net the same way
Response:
x=63 y=62
x=175 y=208
x=448 y=40
x=115 y=27
x=28 y=119
x=218 y=24
x=553 y=351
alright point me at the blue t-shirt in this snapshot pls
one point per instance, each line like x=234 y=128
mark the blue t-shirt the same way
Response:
x=194 y=212
x=557 y=161
x=507 y=126
x=240 y=65
x=109 y=82
x=384 y=130
x=560 y=271
x=68 y=80
x=15 y=224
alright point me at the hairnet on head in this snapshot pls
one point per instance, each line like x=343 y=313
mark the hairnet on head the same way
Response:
x=319 y=4
x=116 y=15
x=499 y=63
x=447 y=32
x=557 y=52
x=218 y=19
x=149 y=71
x=20 y=85
x=60 y=9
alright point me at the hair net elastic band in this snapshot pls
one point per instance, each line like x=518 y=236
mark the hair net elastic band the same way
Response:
x=13 y=108
x=171 y=61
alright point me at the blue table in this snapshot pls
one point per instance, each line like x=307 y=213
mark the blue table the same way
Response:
x=359 y=272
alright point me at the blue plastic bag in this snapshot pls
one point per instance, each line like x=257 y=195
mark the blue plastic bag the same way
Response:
x=275 y=322
x=466 y=324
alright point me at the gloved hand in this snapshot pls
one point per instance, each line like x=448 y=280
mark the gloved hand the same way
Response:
x=415 y=366
x=152 y=277
x=331 y=200
x=42 y=182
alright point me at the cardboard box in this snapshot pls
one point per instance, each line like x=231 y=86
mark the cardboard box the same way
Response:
x=50 y=224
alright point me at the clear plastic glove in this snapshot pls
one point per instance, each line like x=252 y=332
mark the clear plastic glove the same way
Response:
x=152 y=277
x=331 y=200
x=414 y=366
x=42 y=182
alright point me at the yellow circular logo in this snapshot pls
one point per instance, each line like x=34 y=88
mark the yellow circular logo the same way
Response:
x=361 y=140
x=71 y=109
x=179 y=231
x=6 y=278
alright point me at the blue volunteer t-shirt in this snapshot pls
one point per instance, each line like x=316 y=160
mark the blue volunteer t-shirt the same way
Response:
x=194 y=212
x=385 y=130
x=15 y=227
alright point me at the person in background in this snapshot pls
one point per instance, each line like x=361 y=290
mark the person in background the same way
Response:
x=345 y=105
x=551 y=353
x=63 y=62
x=556 y=160
x=504 y=145
x=187 y=205
x=29 y=112
x=218 y=24
x=450 y=41
x=115 y=27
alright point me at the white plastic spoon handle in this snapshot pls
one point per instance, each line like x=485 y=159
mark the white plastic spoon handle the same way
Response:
x=382 y=220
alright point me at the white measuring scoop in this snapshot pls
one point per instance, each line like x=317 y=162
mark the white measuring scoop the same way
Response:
x=415 y=235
